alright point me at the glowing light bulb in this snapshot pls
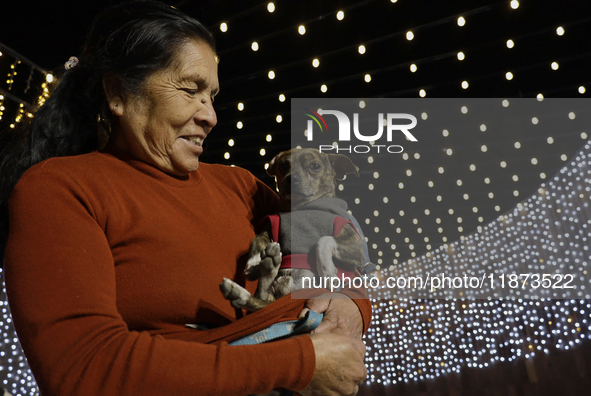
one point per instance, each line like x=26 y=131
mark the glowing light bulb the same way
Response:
x=315 y=62
x=271 y=74
x=560 y=30
x=254 y=46
x=302 y=30
x=224 y=27
x=510 y=43
x=514 y=4
x=410 y=35
x=461 y=21
x=340 y=15
x=240 y=106
x=413 y=68
x=361 y=49
x=271 y=7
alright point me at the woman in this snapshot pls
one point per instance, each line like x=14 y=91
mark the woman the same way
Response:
x=112 y=252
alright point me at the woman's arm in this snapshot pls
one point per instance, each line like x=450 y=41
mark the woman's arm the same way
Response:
x=60 y=279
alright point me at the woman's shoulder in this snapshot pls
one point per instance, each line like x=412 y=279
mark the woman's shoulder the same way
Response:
x=84 y=164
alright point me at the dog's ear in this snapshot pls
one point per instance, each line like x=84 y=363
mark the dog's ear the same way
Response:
x=273 y=169
x=343 y=165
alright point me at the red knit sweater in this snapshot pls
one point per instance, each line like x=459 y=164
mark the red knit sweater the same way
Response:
x=108 y=258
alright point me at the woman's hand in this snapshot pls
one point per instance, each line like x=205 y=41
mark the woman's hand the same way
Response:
x=341 y=315
x=339 y=365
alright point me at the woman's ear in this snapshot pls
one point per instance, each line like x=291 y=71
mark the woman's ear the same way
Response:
x=114 y=95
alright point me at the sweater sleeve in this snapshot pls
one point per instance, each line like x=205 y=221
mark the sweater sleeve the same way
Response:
x=60 y=280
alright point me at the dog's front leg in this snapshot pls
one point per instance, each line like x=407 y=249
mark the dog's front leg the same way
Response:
x=346 y=248
x=239 y=297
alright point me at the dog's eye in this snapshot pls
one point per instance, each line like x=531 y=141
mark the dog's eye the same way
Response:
x=315 y=166
x=284 y=165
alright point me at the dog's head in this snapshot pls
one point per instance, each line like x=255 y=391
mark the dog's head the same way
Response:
x=304 y=175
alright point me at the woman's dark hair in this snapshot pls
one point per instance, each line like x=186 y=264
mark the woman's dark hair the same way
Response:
x=127 y=42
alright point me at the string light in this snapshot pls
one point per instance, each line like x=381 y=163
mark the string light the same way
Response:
x=478 y=333
x=271 y=7
x=361 y=49
x=302 y=30
x=340 y=15
x=315 y=62
x=254 y=46
x=223 y=27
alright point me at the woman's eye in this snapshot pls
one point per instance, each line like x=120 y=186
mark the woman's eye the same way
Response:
x=190 y=91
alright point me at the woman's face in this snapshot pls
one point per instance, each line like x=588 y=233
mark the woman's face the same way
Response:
x=166 y=125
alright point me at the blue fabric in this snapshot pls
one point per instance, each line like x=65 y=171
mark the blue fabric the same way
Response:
x=283 y=329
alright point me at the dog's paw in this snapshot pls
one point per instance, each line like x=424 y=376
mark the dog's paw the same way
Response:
x=272 y=251
x=236 y=294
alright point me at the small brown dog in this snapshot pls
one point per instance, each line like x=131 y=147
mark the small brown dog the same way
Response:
x=308 y=240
